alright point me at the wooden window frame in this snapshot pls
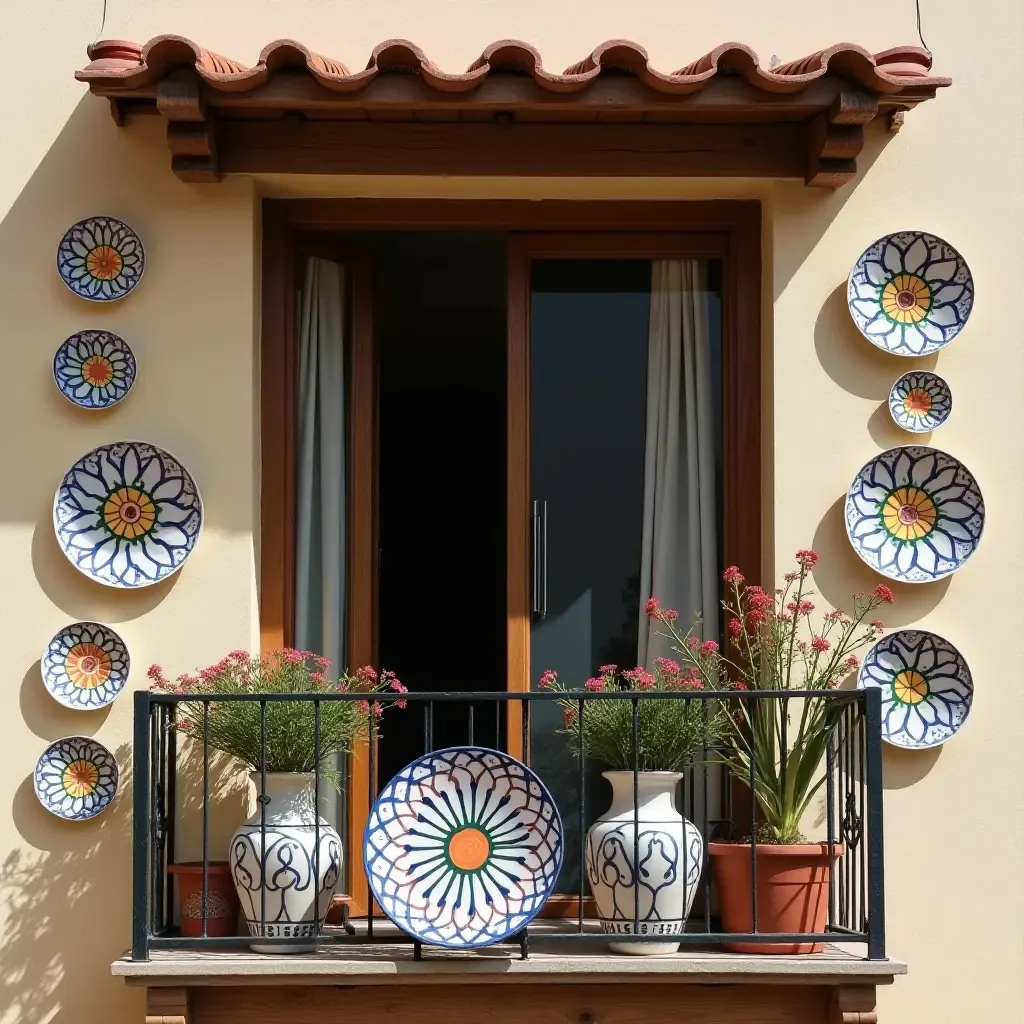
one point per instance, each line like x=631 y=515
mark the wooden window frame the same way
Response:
x=726 y=230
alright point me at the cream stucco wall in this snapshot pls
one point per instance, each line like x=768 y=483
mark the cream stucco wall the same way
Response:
x=954 y=818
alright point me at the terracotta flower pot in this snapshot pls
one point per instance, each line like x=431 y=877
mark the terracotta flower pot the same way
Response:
x=221 y=899
x=792 y=892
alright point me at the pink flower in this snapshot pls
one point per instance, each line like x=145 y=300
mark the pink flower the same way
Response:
x=397 y=686
x=608 y=669
x=669 y=615
x=640 y=678
x=732 y=575
x=570 y=716
x=655 y=611
x=738 y=684
x=692 y=642
x=807 y=558
x=708 y=648
x=651 y=607
x=594 y=684
x=667 y=665
x=368 y=672
x=363 y=707
x=318 y=677
x=803 y=608
x=292 y=656
x=883 y=593
x=735 y=627
x=878 y=626
x=548 y=679
x=820 y=644
x=852 y=661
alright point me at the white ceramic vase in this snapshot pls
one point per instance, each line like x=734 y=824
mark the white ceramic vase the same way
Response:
x=671 y=858
x=277 y=884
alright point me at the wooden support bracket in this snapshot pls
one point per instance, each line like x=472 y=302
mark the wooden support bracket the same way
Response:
x=167 y=1006
x=191 y=128
x=836 y=137
x=853 y=1004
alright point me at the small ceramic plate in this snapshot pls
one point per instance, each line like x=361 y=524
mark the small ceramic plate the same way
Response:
x=127 y=514
x=926 y=688
x=463 y=847
x=910 y=293
x=920 y=401
x=85 y=666
x=914 y=514
x=76 y=778
x=101 y=259
x=94 y=369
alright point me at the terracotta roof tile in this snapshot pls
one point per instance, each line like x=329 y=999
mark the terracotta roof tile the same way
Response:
x=128 y=66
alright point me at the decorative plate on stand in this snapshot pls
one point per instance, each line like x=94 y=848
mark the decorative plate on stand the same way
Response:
x=85 y=666
x=101 y=259
x=920 y=401
x=926 y=687
x=914 y=514
x=76 y=778
x=910 y=293
x=127 y=514
x=94 y=369
x=463 y=847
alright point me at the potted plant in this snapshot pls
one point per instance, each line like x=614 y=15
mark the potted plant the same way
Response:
x=276 y=882
x=670 y=849
x=775 y=647
x=221 y=900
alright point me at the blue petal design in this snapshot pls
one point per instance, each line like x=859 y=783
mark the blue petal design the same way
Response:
x=88 y=234
x=69 y=362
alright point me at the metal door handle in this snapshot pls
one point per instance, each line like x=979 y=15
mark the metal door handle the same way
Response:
x=539 y=582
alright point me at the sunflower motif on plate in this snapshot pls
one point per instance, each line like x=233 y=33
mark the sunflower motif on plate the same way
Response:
x=463 y=847
x=85 y=666
x=920 y=401
x=910 y=293
x=926 y=687
x=127 y=514
x=914 y=514
x=94 y=369
x=76 y=778
x=101 y=258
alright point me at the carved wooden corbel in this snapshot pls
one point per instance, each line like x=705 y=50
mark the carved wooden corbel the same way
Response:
x=167 y=1006
x=191 y=127
x=836 y=138
x=853 y=1004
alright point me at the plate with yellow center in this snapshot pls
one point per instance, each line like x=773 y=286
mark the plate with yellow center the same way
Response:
x=910 y=293
x=926 y=687
x=94 y=369
x=914 y=514
x=463 y=847
x=76 y=778
x=920 y=401
x=85 y=666
x=127 y=514
x=101 y=259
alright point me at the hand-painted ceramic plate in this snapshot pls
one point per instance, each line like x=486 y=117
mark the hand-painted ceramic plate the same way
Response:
x=463 y=847
x=94 y=369
x=926 y=687
x=85 y=666
x=101 y=258
x=914 y=514
x=127 y=514
x=920 y=401
x=76 y=778
x=910 y=293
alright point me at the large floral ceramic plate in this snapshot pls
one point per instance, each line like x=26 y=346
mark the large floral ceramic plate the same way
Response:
x=76 y=778
x=85 y=666
x=920 y=401
x=910 y=293
x=914 y=514
x=127 y=514
x=101 y=258
x=463 y=847
x=94 y=369
x=926 y=687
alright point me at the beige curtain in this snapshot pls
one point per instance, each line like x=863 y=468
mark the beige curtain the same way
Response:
x=679 y=556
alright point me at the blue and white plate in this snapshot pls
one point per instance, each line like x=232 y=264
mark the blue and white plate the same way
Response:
x=910 y=293
x=76 y=778
x=920 y=401
x=94 y=369
x=101 y=259
x=127 y=514
x=926 y=688
x=85 y=666
x=463 y=847
x=914 y=514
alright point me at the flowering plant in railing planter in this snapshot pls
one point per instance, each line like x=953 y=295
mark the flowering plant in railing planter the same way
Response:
x=670 y=733
x=778 y=744
x=285 y=841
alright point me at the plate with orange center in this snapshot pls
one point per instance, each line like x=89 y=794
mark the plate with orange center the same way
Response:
x=927 y=689
x=85 y=666
x=463 y=847
x=76 y=778
x=94 y=369
x=101 y=259
x=920 y=401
